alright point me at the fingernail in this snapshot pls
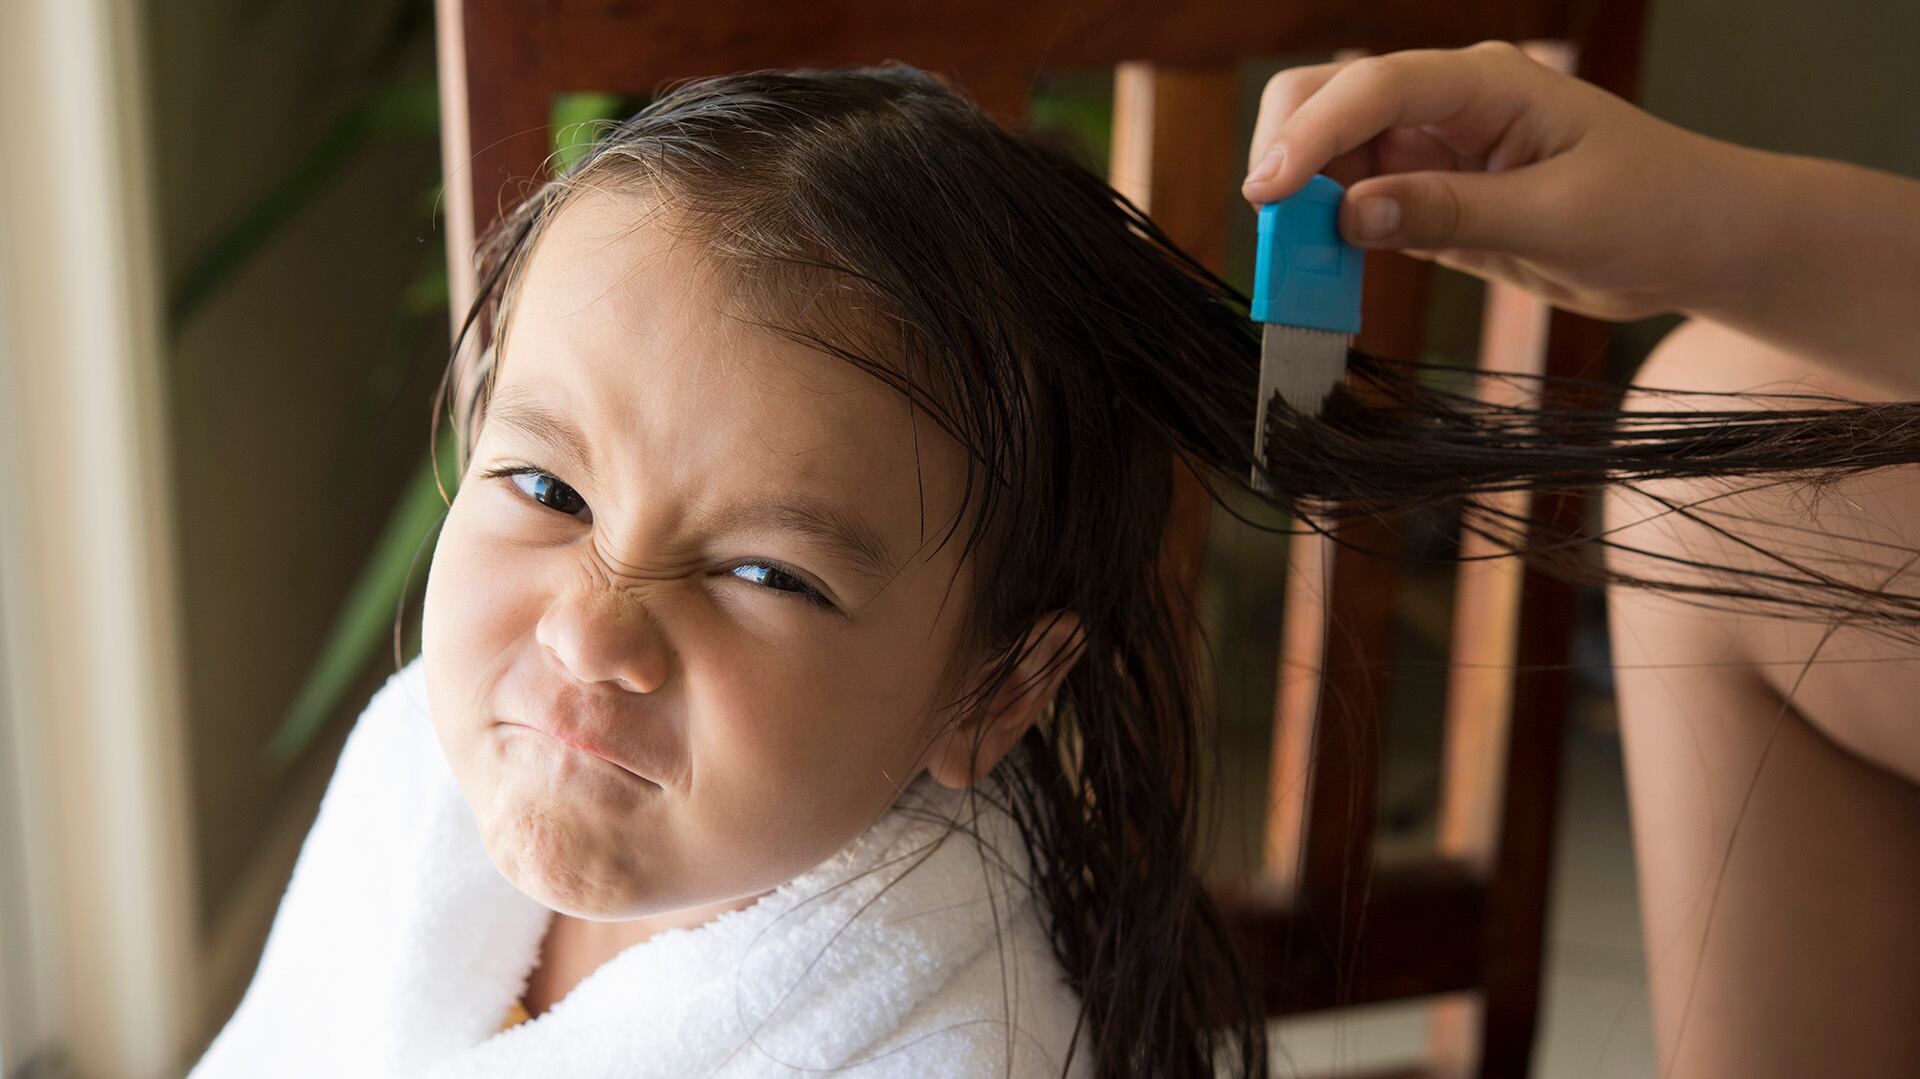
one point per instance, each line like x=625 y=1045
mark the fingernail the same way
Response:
x=1376 y=217
x=1268 y=166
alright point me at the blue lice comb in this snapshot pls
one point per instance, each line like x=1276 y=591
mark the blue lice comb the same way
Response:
x=1306 y=290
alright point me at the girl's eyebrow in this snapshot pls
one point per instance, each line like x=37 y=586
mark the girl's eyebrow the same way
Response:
x=846 y=533
x=511 y=407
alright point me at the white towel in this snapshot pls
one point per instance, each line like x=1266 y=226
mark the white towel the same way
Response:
x=399 y=948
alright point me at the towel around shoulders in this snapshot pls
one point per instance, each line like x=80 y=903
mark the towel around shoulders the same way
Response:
x=916 y=951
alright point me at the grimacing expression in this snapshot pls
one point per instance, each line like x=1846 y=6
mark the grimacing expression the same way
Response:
x=698 y=546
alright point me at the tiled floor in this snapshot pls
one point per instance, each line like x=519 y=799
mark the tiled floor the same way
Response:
x=1595 y=1024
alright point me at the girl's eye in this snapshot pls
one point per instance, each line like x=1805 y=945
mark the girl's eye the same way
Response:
x=544 y=488
x=772 y=576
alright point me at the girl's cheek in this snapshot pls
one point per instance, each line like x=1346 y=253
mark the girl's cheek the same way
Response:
x=767 y=688
x=824 y=711
x=480 y=591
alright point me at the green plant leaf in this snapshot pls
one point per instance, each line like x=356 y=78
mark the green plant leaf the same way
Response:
x=427 y=294
x=365 y=620
x=1081 y=107
x=577 y=121
x=407 y=107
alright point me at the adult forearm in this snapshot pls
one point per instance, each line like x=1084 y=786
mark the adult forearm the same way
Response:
x=1826 y=263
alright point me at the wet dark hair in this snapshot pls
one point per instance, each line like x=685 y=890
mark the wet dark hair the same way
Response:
x=1079 y=357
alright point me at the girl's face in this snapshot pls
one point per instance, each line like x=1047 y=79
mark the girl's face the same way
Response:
x=697 y=548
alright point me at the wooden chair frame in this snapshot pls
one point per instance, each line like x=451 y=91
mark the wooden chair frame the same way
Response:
x=1326 y=927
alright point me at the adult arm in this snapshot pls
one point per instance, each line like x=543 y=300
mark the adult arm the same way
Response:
x=1487 y=161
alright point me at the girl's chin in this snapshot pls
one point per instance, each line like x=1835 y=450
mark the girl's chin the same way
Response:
x=593 y=889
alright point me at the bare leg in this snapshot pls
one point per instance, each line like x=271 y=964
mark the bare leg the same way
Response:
x=1776 y=804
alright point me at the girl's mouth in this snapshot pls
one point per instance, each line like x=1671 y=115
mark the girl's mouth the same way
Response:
x=585 y=745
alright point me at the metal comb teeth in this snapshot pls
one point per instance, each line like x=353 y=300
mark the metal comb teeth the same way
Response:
x=1302 y=366
x=1306 y=293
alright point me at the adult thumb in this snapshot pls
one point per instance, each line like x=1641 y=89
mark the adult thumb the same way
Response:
x=1437 y=210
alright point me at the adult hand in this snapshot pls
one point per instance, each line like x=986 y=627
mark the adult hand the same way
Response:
x=1484 y=160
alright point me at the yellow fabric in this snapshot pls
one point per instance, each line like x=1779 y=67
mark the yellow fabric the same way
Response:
x=515 y=1016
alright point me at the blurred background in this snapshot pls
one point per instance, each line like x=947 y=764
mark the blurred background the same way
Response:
x=223 y=312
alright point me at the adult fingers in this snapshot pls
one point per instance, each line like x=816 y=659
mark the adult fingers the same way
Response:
x=1486 y=86
x=1512 y=211
x=1284 y=93
x=1401 y=149
x=1409 y=149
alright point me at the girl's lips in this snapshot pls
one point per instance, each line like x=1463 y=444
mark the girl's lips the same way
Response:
x=584 y=745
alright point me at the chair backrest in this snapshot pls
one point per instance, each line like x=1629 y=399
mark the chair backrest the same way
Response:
x=1323 y=926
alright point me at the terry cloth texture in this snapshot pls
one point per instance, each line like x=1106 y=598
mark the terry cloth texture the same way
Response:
x=398 y=948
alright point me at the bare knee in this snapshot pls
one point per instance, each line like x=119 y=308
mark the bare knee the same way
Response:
x=1704 y=532
x=1699 y=356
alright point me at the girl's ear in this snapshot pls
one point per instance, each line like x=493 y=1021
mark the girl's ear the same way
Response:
x=1052 y=647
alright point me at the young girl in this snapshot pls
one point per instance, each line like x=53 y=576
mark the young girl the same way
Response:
x=805 y=692
x=726 y=614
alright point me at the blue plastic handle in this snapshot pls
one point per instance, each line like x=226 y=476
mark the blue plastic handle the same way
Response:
x=1304 y=274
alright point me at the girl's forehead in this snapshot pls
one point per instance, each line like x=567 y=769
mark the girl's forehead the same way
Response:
x=608 y=262
x=618 y=301
x=623 y=343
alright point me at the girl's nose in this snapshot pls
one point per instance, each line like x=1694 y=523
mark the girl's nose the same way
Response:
x=605 y=637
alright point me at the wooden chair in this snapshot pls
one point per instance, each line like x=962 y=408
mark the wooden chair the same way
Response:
x=1323 y=926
